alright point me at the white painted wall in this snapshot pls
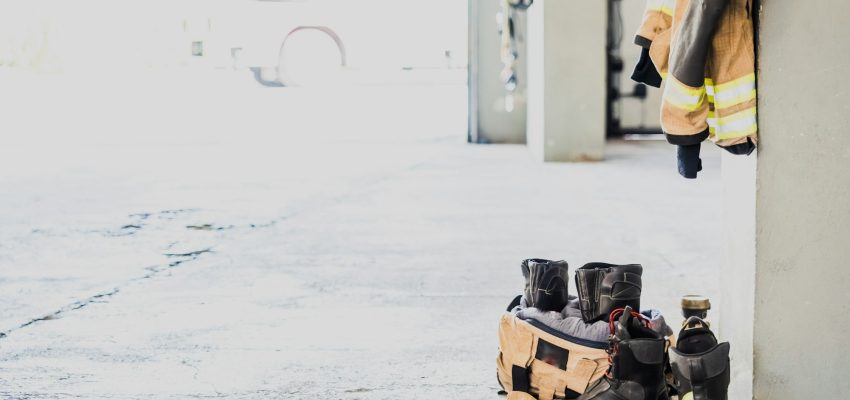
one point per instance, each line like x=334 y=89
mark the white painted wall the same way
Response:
x=734 y=308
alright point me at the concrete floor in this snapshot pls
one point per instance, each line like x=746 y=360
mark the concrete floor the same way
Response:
x=336 y=248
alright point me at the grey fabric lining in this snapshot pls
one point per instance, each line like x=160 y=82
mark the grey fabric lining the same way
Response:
x=569 y=321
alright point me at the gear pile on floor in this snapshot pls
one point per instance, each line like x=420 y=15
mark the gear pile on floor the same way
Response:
x=600 y=344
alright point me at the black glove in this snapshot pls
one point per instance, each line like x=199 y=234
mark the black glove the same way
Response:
x=689 y=161
x=742 y=148
x=645 y=71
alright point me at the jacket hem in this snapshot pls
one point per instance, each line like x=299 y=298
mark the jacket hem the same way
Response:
x=642 y=41
x=740 y=149
x=684 y=140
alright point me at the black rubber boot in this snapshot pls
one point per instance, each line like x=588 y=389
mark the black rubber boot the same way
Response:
x=546 y=284
x=603 y=288
x=636 y=354
x=700 y=365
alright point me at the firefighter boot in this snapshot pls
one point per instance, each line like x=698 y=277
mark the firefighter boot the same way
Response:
x=603 y=288
x=636 y=354
x=700 y=365
x=546 y=284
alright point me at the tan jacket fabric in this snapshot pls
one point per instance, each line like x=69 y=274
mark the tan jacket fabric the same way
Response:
x=520 y=345
x=706 y=55
x=657 y=20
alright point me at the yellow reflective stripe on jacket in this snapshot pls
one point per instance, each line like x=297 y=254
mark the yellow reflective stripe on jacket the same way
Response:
x=749 y=130
x=709 y=90
x=742 y=123
x=669 y=7
x=664 y=6
x=712 y=127
x=712 y=123
x=684 y=97
x=712 y=116
x=735 y=92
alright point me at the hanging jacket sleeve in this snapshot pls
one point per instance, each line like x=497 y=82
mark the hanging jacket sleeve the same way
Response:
x=685 y=107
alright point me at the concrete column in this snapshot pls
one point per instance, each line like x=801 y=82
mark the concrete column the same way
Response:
x=566 y=85
x=802 y=285
x=786 y=280
x=489 y=121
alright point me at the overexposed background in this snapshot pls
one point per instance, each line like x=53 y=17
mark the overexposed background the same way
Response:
x=174 y=223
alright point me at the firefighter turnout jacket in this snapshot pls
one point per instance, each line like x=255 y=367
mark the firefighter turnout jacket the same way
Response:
x=704 y=50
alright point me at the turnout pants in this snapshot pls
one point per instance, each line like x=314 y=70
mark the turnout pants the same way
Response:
x=704 y=50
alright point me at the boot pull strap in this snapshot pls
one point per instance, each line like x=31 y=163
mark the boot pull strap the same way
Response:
x=695 y=322
x=615 y=315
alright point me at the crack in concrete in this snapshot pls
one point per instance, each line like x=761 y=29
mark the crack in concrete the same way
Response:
x=101 y=297
x=58 y=313
x=193 y=255
x=164 y=214
x=137 y=225
x=153 y=271
x=209 y=227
